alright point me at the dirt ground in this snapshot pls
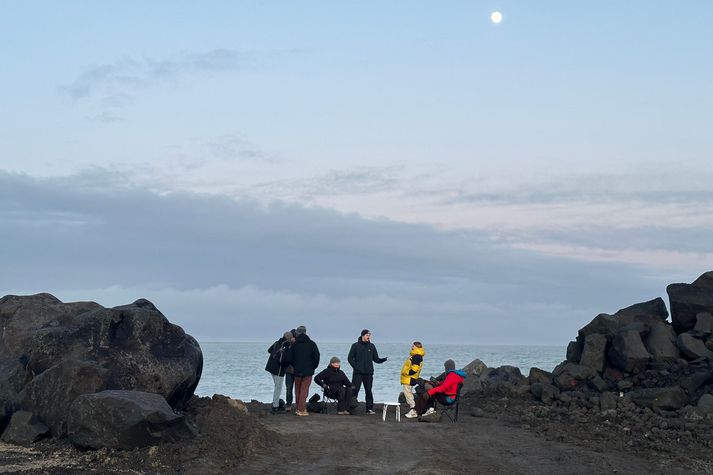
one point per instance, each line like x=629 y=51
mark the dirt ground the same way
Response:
x=365 y=444
x=329 y=443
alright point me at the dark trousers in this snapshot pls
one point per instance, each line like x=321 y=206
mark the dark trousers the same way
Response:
x=368 y=380
x=342 y=395
x=289 y=384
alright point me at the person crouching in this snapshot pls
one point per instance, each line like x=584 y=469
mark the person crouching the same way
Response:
x=336 y=385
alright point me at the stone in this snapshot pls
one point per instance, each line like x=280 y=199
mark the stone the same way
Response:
x=594 y=352
x=688 y=300
x=537 y=375
x=693 y=347
x=603 y=324
x=709 y=343
x=50 y=394
x=574 y=351
x=433 y=417
x=607 y=401
x=628 y=352
x=696 y=379
x=655 y=308
x=705 y=404
x=120 y=419
x=475 y=368
x=24 y=429
x=568 y=375
x=68 y=349
x=704 y=324
x=661 y=343
x=597 y=383
x=666 y=399
x=503 y=379
x=477 y=412
x=547 y=393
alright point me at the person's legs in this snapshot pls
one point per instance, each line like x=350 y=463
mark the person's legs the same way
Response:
x=342 y=399
x=368 y=382
x=278 y=380
x=408 y=394
x=300 y=395
x=289 y=383
x=303 y=392
x=356 y=381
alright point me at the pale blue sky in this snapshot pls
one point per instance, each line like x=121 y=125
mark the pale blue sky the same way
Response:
x=574 y=135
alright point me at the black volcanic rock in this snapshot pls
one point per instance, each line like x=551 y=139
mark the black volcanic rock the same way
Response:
x=123 y=420
x=52 y=352
x=24 y=429
x=661 y=343
x=628 y=352
x=688 y=300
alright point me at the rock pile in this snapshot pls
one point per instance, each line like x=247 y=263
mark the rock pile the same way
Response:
x=633 y=360
x=53 y=353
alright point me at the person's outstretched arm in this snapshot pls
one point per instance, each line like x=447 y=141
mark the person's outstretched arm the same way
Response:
x=376 y=356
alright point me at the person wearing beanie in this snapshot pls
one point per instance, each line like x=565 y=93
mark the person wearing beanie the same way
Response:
x=336 y=385
x=444 y=392
x=304 y=356
x=276 y=365
x=290 y=377
x=362 y=357
x=410 y=373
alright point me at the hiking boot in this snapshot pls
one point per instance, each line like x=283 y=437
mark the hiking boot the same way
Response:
x=430 y=411
x=411 y=414
x=288 y=408
x=344 y=413
x=274 y=410
x=302 y=413
x=370 y=411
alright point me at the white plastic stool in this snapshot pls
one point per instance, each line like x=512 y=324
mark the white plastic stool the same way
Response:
x=397 y=406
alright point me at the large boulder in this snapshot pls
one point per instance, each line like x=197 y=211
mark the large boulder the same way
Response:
x=640 y=317
x=594 y=352
x=51 y=352
x=663 y=399
x=537 y=375
x=693 y=347
x=123 y=420
x=503 y=379
x=661 y=343
x=688 y=300
x=628 y=352
x=704 y=324
x=24 y=429
x=568 y=375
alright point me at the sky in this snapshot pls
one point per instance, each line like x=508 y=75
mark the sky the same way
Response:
x=407 y=167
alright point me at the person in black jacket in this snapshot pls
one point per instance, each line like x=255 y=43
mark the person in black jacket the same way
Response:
x=336 y=385
x=362 y=357
x=304 y=357
x=276 y=364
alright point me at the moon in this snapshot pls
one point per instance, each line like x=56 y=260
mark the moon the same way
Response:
x=496 y=17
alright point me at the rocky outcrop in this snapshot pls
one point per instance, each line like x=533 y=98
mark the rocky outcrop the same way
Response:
x=688 y=300
x=123 y=420
x=53 y=352
x=24 y=429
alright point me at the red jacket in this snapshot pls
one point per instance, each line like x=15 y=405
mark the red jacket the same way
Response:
x=449 y=386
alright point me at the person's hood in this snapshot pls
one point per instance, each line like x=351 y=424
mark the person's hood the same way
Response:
x=302 y=338
x=459 y=372
x=418 y=351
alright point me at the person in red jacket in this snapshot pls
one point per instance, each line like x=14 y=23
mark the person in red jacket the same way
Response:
x=442 y=390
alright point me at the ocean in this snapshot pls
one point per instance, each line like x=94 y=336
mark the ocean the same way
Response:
x=238 y=369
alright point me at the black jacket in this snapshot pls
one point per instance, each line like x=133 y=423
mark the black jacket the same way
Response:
x=362 y=357
x=304 y=356
x=279 y=357
x=332 y=377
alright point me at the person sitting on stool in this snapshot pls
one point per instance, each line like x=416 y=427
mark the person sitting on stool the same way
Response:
x=336 y=385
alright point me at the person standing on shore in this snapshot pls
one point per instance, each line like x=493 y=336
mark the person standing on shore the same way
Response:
x=304 y=356
x=410 y=371
x=362 y=357
x=276 y=365
x=290 y=377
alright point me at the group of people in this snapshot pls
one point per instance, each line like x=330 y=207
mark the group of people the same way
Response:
x=294 y=358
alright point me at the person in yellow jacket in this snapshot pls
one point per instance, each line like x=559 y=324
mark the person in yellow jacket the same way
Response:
x=410 y=371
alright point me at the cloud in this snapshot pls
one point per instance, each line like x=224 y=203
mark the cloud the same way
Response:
x=243 y=270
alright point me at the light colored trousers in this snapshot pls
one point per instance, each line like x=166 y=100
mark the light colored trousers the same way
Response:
x=278 y=390
x=408 y=394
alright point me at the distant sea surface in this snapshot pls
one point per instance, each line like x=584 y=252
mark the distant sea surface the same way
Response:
x=238 y=369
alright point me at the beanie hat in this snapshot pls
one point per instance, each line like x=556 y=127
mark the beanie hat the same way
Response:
x=334 y=359
x=450 y=365
x=301 y=330
x=287 y=336
x=365 y=332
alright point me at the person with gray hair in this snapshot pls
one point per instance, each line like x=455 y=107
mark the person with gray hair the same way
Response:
x=304 y=357
x=276 y=365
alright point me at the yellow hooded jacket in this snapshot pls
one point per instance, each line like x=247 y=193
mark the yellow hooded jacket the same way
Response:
x=412 y=365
